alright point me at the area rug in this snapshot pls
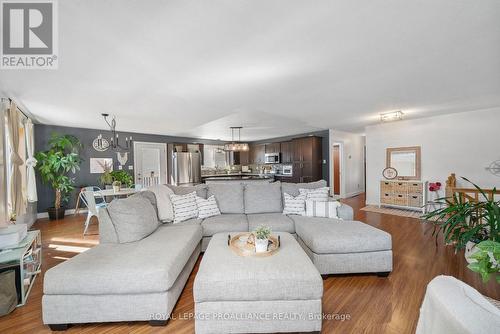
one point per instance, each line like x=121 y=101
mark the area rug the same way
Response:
x=393 y=211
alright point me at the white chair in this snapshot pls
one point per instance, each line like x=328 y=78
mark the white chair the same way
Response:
x=452 y=307
x=88 y=196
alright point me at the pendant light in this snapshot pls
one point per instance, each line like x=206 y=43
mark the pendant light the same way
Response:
x=236 y=146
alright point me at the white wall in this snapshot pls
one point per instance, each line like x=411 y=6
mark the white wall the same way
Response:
x=461 y=143
x=352 y=162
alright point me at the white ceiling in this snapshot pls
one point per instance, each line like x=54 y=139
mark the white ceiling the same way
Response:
x=194 y=68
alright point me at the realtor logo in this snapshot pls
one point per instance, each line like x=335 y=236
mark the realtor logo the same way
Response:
x=29 y=34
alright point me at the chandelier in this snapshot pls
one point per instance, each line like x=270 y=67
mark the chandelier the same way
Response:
x=236 y=146
x=114 y=140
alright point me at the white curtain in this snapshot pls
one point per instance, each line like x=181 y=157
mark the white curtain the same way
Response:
x=18 y=203
x=30 y=162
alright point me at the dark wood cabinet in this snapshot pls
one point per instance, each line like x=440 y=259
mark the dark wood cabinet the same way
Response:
x=241 y=158
x=286 y=152
x=272 y=148
x=307 y=159
x=256 y=154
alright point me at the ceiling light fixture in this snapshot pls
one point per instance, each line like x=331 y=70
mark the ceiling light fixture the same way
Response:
x=114 y=144
x=236 y=146
x=391 y=116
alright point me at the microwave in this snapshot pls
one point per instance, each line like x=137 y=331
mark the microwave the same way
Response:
x=287 y=170
x=272 y=158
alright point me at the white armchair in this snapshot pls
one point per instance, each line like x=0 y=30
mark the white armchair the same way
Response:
x=451 y=306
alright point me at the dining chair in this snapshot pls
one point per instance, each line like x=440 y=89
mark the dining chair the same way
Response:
x=94 y=200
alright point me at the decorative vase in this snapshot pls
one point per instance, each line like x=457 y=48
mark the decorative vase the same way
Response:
x=116 y=189
x=261 y=245
x=470 y=249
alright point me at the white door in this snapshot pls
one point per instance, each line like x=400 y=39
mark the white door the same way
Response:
x=150 y=163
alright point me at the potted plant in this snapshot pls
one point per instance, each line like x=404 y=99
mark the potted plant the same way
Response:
x=106 y=179
x=466 y=223
x=123 y=177
x=54 y=166
x=486 y=260
x=116 y=186
x=262 y=234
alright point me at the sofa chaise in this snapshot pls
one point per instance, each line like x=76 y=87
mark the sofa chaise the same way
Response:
x=142 y=280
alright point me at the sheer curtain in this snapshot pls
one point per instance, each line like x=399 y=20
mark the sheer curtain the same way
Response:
x=30 y=162
x=18 y=203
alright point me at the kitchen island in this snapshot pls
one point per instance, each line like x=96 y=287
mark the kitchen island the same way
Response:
x=237 y=177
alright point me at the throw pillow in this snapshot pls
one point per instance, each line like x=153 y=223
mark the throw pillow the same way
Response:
x=322 y=209
x=294 y=205
x=207 y=207
x=185 y=207
x=319 y=194
x=165 y=209
x=134 y=218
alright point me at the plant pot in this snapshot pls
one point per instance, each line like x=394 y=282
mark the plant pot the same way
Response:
x=116 y=189
x=470 y=249
x=261 y=245
x=56 y=214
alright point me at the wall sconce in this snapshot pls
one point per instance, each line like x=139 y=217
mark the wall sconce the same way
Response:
x=391 y=116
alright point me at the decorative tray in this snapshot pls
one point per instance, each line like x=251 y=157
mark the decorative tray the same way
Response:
x=243 y=244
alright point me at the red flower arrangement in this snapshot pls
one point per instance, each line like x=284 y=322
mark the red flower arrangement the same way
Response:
x=434 y=186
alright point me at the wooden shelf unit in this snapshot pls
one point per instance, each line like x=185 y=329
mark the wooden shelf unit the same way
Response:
x=403 y=194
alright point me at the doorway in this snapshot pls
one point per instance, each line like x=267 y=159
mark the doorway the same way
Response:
x=336 y=156
x=150 y=163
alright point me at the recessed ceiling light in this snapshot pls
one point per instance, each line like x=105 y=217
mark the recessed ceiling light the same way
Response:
x=391 y=116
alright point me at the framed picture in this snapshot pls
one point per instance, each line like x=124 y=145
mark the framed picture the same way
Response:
x=97 y=165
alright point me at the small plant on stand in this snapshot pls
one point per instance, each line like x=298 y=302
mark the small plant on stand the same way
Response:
x=106 y=179
x=262 y=234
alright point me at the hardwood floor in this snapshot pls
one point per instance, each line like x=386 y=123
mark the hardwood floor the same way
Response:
x=373 y=304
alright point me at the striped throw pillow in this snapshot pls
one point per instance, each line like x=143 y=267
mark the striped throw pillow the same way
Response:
x=207 y=207
x=294 y=205
x=185 y=207
x=318 y=194
x=322 y=209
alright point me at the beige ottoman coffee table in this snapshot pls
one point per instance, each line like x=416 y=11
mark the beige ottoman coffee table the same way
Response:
x=278 y=293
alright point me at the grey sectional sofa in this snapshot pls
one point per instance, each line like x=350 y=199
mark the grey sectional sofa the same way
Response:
x=141 y=281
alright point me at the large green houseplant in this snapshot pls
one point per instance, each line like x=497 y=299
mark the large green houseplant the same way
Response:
x=469 y=223
x=55 y=165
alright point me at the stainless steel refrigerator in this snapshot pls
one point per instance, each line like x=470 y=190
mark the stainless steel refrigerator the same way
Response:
x=186 y=168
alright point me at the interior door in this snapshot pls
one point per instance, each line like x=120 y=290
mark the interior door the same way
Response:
x=336 y=170
x=150 y=163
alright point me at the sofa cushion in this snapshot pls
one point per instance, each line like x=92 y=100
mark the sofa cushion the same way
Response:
x=278 y=222
x=331 y=236
x=133 y=218
x=185 y=207
x=150 y=265
x=294 y=205
x=163 y=203
x=207 y=207
x=293 y=188
x=263 y=198
x=323 y=209
x=224 y=223
x=229 y=197
x=318 y=194
x=201 y=190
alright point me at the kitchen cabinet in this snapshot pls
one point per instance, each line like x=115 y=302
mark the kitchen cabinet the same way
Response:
x=272 y=148
x=242 y=158
x=286 y=152
x=307 y=157
x=257 y=152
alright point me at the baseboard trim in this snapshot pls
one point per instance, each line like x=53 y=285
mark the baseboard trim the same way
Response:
x=42 y=215
x=352 y=194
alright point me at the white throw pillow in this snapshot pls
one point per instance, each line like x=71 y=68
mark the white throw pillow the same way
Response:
x=185 y=207
x=318 y=194
x=163 y=203
x=322 y=209
x=207 y=207
x=294 y=205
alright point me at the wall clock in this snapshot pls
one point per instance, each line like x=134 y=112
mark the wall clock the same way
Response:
x=390 y=173
x=100 y=144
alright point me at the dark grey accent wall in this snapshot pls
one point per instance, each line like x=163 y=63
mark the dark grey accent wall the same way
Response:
x=325 y=143
x=86 y=136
